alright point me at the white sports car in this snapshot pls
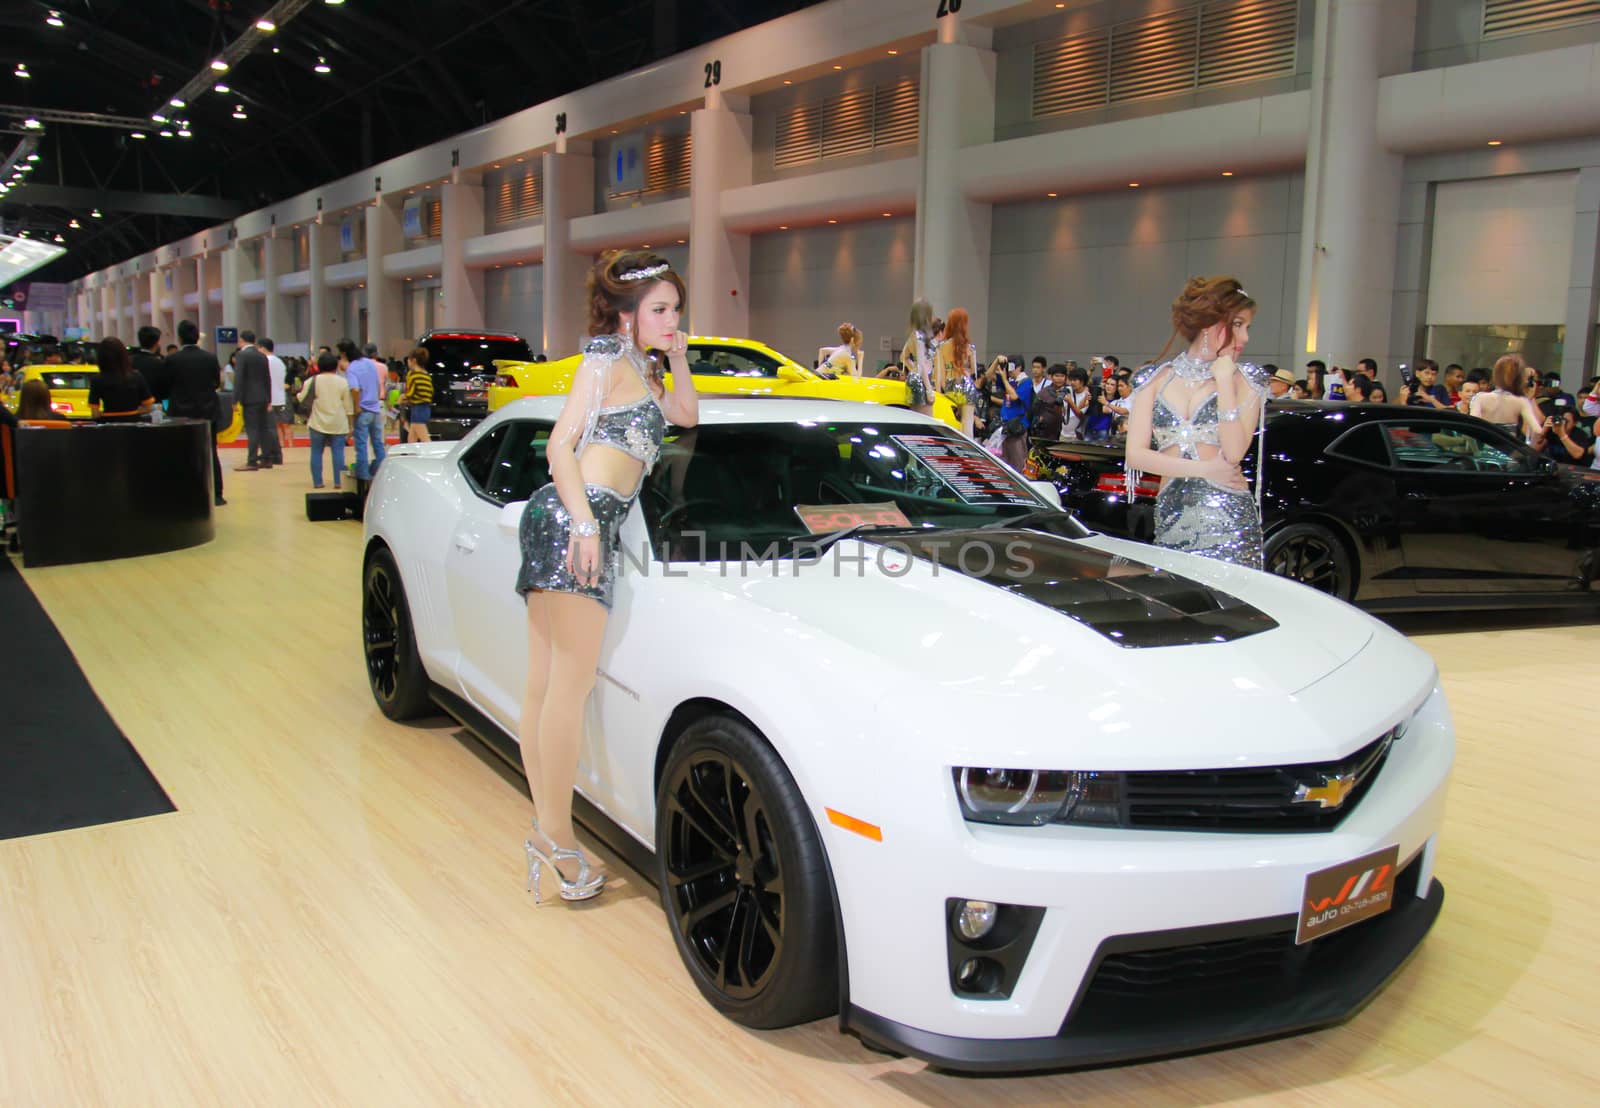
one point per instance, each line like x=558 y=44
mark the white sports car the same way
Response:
x=898 y=739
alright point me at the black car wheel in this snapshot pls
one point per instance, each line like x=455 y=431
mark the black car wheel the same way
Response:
x=394 y=669
x=743 y=878
x=1314 y=556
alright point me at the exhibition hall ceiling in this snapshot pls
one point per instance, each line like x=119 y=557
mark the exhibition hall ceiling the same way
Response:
x=269 y=110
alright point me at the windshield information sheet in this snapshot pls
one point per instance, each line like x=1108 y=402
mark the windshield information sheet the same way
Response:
x=966 y=469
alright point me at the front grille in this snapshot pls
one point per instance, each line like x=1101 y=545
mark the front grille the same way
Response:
x=1131 y=984
x=1261 y=798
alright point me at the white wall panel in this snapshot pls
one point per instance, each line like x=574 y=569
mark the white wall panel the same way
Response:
x=1097 y=274
x=513 y=300
x=1502 y=250
x=803 y=284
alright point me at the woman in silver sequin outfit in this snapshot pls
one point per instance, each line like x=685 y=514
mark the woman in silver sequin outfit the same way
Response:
x=917 y=356
x=1191 y=420
x=605 y=441
x=955 y=369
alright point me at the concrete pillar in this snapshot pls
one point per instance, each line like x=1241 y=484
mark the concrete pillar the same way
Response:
x=277 y=259
x=1353 y=185
x=953 y=234
x=106 y=322
x=208 y=313
x=719 y=260
x=232 y=302
x=129 y=303
x=1580 y=356
x=186 y=283
x=386 y=316
x=461 y=204
x=326 y=304
x=568 y=194
x=158 y=290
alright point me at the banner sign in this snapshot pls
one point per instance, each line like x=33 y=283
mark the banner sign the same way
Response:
x=227 y=336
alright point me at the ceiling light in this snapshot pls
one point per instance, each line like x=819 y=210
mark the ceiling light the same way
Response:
x=644 y=246
x=322 y=65
x=59 y=238
x=158 y=117
x=25 y=168
x=224 y=89
x=166 y=134
x=176 y=103
x=266 y=25
x=54 y=19
x=788 y=82
x=682 y=241
x=219 y=65
x=137 y=135
x=1133 y=184
x=333 y=3
x=238 y=113
x=783 y=226
x=892 y=52
x=95 y=214
x=32 y=124
x=185 y=133
x=275 y=50
x=886 y=215
x=33 y=157
x=1051 y=195
x=1494 y=142
x=838 y=67
x=74 y=225
x=22 y=71
x=833 y=221
x=1227 y=173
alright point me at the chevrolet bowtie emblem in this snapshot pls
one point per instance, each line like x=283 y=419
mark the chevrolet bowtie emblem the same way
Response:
x=1330 y=794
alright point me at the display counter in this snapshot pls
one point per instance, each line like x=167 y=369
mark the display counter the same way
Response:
x=95 y=491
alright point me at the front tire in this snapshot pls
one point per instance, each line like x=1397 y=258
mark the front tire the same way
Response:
x=394 y=668
x=1314 y=556
x=744 y=878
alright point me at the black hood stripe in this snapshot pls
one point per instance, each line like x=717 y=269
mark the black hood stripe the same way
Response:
x=1128 y=602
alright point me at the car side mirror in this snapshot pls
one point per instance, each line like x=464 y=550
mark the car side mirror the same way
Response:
x=1047 y=490
x=791 y=374
x=511 y=516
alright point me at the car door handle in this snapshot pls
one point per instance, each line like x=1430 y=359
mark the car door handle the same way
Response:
x=465 y=543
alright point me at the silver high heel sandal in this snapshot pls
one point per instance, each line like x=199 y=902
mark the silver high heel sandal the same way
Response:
x=584 y=887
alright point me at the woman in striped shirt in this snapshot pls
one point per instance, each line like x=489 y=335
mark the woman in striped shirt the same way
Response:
x=419 y=395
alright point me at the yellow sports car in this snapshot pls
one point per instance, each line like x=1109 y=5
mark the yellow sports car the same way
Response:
x=722 y=365
x=68 y=385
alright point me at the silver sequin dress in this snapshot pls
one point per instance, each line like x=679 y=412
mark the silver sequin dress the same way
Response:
x=636 y=429
x=1193 y=514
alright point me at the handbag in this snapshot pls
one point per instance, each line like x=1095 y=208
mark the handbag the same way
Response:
x=305 y=407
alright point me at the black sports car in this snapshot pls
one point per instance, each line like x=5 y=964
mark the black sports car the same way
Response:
x=1387 y=506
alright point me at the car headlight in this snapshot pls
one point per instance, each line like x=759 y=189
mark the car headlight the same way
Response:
x=1034 y=797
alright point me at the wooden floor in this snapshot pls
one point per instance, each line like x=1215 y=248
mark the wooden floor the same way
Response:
x=335 y=914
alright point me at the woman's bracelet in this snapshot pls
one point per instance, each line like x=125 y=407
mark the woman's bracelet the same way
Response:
x=1229 y=416
x=586 y=529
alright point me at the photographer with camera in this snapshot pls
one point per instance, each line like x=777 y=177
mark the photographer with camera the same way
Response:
x=1565 y=440
x=1421 y=388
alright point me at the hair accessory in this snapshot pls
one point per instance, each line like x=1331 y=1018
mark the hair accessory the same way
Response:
x=644 y=274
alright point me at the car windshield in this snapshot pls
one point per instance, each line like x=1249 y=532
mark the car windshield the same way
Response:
x=72 y=379
x=730 y=361
x=459 y=353
x=716 y=487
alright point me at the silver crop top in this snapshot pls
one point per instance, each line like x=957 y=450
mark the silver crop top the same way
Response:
x=1168 y=428
x=636 y=429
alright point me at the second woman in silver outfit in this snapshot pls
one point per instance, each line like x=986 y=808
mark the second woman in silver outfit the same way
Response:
x=1191 y=420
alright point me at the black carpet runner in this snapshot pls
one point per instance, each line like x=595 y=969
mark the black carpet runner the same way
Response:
x=63 y=761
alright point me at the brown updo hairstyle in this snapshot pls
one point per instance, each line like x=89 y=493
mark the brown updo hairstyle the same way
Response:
x=609 y=296
x=1206 y=302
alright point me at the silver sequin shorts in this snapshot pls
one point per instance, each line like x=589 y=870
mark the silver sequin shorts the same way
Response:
x=546 y=532
x=1197 y=517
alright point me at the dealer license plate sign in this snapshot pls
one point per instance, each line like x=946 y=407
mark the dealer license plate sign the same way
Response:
x=1347 y=893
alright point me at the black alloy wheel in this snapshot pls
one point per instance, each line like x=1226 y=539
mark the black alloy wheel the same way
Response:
x=394 y=669
x=1312 y=555
x=744 y=879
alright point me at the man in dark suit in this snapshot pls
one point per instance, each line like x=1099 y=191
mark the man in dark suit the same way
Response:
x=252 y=384
x=151 y=365
x=194 y=377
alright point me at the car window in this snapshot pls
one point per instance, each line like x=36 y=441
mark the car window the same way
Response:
x=478 y=462
x=521 y=467
x=716 y=487
x=728 y=361
x=74 y=379
x=1362 y=444
x=1436 y=446
x=474 y=355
